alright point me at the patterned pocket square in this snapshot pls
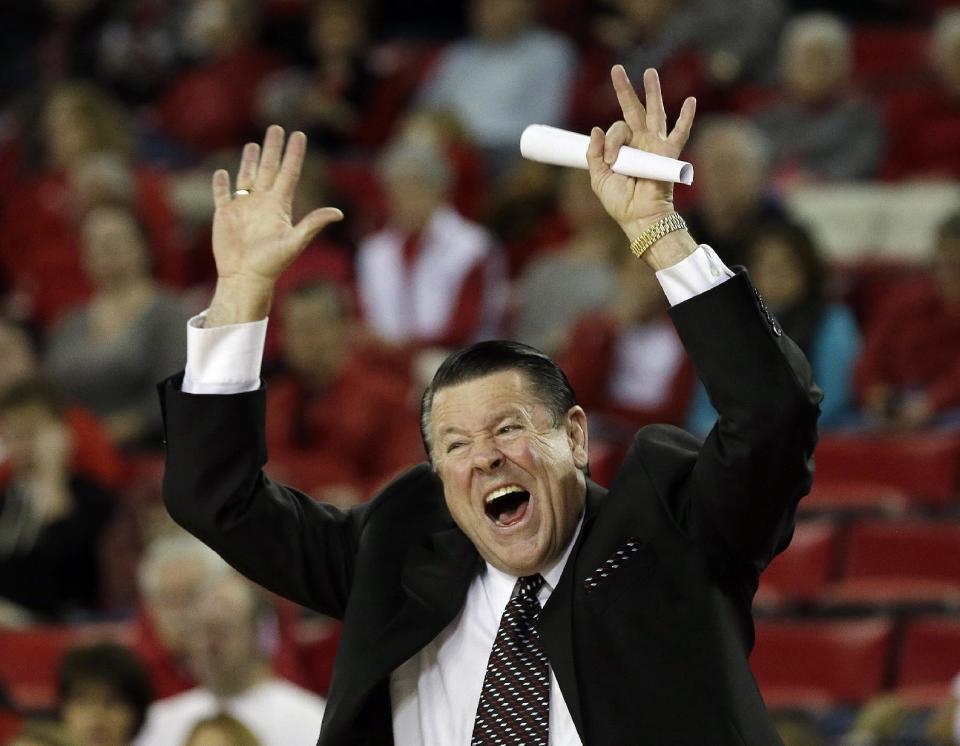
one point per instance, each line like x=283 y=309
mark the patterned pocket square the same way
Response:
x=613 y=563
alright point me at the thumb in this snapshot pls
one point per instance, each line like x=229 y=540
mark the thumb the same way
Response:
x=313 y=222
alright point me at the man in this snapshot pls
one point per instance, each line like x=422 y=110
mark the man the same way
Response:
x=228 y=653
x=627 y=614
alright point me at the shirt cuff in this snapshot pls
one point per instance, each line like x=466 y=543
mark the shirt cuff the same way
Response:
x=223 y=359
x=696 y=274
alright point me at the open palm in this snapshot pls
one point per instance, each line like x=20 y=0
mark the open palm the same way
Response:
x=253 y=235
x=633 y=202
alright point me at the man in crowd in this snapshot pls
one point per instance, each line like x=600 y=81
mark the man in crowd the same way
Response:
x=496 y=595
x=229 y=653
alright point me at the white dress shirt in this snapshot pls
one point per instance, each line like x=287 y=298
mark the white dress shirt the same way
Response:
x=435 y=693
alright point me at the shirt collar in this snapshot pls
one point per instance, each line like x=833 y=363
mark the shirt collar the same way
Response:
x=500 y=585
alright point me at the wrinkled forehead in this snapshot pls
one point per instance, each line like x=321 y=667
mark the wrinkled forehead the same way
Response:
x=477 y=403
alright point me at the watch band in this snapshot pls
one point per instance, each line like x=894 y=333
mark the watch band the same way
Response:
x=666 y=224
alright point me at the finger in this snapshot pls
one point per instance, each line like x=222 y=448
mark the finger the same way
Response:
x=270 y=158
x=681 y=130
x=656 y=116
x=619 y=134
x=595 y=162
x=633 y=111
x=313 y=222
x=289 y=175
x=247 y=173
x=221 y=188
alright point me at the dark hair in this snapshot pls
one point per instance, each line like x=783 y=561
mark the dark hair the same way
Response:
x=483 y=358
x=113 y=665
x=803 y=247
x=949 y=228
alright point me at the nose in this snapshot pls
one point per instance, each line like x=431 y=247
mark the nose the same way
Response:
x=487 y=457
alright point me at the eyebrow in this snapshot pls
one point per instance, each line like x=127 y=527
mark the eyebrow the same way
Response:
x=502 y=414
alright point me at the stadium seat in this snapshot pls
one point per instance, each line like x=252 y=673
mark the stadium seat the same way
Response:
x=886 y=57
x=929 y=660
x=900 y=562
x=923 y=465
x=821 y=664
x=854 y=495
x=801 y=572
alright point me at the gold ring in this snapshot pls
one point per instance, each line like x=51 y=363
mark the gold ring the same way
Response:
x=242 y=192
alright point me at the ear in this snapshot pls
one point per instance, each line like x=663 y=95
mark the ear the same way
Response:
x=576 y=428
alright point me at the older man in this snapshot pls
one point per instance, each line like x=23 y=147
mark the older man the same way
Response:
x=497 y=595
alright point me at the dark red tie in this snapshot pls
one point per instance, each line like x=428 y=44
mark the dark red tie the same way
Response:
x=514 y=705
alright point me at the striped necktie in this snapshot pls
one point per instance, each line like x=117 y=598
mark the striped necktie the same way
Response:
x=514 y=706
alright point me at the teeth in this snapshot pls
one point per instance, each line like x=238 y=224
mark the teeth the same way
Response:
x=501 y=491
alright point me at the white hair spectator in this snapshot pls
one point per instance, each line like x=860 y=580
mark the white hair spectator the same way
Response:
x=177 y=550
x=818 y=29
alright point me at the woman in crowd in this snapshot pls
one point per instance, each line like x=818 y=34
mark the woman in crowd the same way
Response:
x=791 y=276
x=109 y=354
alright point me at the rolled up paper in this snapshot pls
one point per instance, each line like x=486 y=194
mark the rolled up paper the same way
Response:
x=540 y=142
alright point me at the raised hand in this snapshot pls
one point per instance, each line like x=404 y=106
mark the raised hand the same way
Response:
x=637 y=203
x=254 y=238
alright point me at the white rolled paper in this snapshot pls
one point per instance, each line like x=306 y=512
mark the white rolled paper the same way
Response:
x=540 y=142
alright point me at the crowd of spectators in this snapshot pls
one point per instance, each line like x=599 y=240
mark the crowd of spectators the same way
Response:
x=113 y=114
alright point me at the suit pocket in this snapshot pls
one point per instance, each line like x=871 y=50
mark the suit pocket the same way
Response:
x=630 y=564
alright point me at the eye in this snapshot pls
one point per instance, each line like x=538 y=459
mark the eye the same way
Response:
x=453 y=446
x=507 y=429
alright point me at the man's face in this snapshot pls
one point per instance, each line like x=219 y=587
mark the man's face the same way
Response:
x=96 y=715
x=224 y=641
x=512 y=481
x=171 y=601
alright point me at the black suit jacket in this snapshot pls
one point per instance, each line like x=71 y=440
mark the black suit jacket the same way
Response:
x=653 y=651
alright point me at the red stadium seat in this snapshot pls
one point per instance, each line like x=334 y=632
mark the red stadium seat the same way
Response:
x=900 y=563
x=821 y=664
x=886 y=57
x=854 y=495
x=929 y=660
x=925 y=466
x=801 y=572
x=29 y=659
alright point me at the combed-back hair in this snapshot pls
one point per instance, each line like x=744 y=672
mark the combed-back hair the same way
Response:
x=493 y=356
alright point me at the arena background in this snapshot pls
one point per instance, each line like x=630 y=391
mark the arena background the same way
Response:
x=827 y=149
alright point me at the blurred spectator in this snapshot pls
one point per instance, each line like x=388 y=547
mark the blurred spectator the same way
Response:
x=221 y=730
x=328 y=101
x=172 y=573
x=430 y=277
x=104 y=694
x=231 y=663
x=909 y=373
x=443 y=129
x=42 y=733
x=626 y=362
x=109 y=354
x=51 y=519
x=924 y=120
x=798 y=730
x=93 y=455
x=732 y=158
x=83 y=156
x=821 y=129
x=333 y=408
x=577 y=277
x=507 y=74
x=792 y=278
x=699 y=47
x=211 y=104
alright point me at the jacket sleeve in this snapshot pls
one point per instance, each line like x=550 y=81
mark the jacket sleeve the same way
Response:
x=214 y=486
x=740 y=497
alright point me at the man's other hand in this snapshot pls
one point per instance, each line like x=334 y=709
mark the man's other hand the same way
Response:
x=254 y=238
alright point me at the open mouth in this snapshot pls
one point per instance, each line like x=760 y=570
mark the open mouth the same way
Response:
x=507 y=506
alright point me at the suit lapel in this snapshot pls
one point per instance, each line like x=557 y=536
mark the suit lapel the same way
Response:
x=556 y=619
